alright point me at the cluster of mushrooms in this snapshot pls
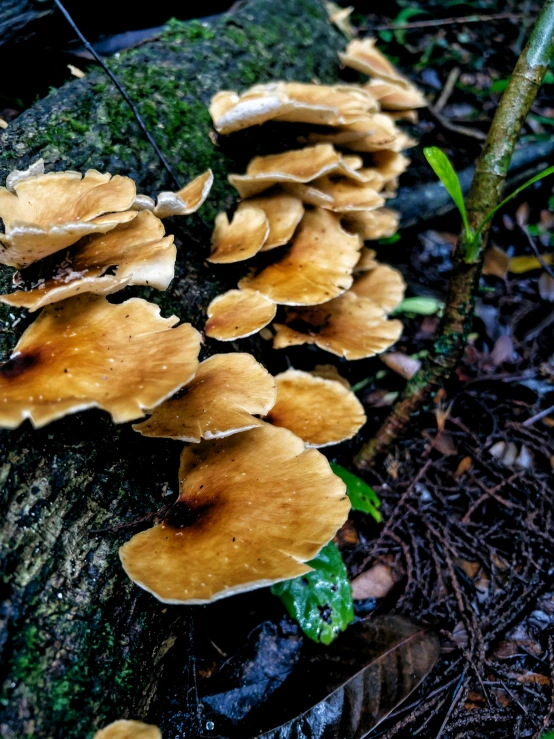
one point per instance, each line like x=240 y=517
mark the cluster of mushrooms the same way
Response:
x=317 y=205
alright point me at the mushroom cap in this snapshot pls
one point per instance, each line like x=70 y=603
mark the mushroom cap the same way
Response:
x=393 y=96
x=240 y=239
x=237 y=314
x=369 y=133
x=231 y=112
x=308 y=194
x=124 y=729
x=283 y=212
x=244 y=518
x=390 y=164
x=85 y=352
x=362 y=55
x=138 y=249
x=47 y=212
x=370 y=225
x=350 y=196
x=329 y=372
x=367 y=256
x=384 y=285
x=318 y=266
x=349 y=326
x=219 y=401
x=182 y=203
x=322 y=412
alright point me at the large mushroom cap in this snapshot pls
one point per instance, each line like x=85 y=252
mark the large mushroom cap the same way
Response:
x=384 y=285
x=350 y=196
x=317 y=268
x=240 y=239
x=231 y=112
x=124 y=729
x=320 y=411
x=362 y=55
x=138 y=251
x=237 y=314
x=369 y=133
x=370 y=225
x=221 y=400
x=252 y=509
x=182 y=203
x=349 y=326
x=283 y=212
x=85 y=352
x=48 y=212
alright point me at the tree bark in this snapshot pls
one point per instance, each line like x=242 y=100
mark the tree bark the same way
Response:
x=80 y=645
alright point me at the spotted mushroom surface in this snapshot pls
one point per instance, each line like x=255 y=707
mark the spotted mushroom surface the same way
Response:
x=237 y=314
x=241 y=238
x=384 y=285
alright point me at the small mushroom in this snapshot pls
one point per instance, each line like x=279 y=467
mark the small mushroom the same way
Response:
x=244 y=518
x=384 y=285
x=350 y=196
x=232 y=113
x=349 y=326
x=393 y=96
x=318 y=266
x=223 y=398
x=87 y=353
x=390 y=164
x=124 y=729
x=237 y=314
x=320 y=411
x=308 y=194
x=138 y=251
x=370 y=225
x=362 y=55
x=367 y=259
x=182 y=203
x=283 y=212
x=44 y=213
x=240 y=239
x=329 y=372
x=369 y=133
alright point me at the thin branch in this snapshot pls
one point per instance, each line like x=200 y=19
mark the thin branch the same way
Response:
x=542 y=414
x=122 y=90
x=448 y=88
x=536 y=252
x=438 y=22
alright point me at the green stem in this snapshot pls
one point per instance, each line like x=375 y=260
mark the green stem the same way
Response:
x=484 y=195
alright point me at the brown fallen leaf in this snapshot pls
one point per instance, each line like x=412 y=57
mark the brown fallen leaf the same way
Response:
x=546 y=287
x=465 y=465
x=377 y=582
x=530 y=678
x=400 y=363
x=497 y=262
x=503 y=351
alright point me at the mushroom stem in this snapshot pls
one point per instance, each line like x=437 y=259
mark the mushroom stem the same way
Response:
x=484 y=194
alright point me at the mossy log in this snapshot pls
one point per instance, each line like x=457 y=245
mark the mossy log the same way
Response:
x=80 y=645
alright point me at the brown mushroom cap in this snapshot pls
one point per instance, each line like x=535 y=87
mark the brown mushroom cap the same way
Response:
x=240 y=239
x=329 y=372
x=393 y=96
x=182 y=203
x=138 y=250
x=317 y=268
x=349 y=326
x=49 y=212
x=369 y=133
x=124 y=729
x=308 y=194
x=384 y=285
x=237 y=314
x=370 y=225
x=283 y=212
x=367 y=259
x=231 y=112
x=244 y=518
x=321 y=412
x=85 y=352
x=390 y=164
x=362 y=55
x=222 y=398
x=350 y=196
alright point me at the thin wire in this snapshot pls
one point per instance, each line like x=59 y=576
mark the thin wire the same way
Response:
x=122 y=90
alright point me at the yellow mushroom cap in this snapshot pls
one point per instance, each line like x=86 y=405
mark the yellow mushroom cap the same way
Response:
x=367 y=259
x=384 y=285
x=283 y=212
x=182 y=203
x=369 y=133
x=393 y=96
x=370 y=225
x=318 y=266
x=349 y=326
x=362 y=55
x=240 y=239
x=320 y=411
x=124 y=729
x=85 y=353
x=138 y=250
x=231 y=112
x=222 y=398
x=245 y=518
x=350 y=196
x=43 y=213
x=237 y=314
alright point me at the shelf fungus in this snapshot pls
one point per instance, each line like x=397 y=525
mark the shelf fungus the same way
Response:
x=44 y=213
x=348 y=196
x=224 y=397
x=240 y=239
x=87 y=353
x=244 y=518
x=237 y=314
x=371 y=225
x=320 y=411
x=348 y=326
x=363 y=56
x=181 y=203
x=383 y=284
x=283 y=212
x=318 y=266
x=125 y=729
x=395 y=97
x=138 y=250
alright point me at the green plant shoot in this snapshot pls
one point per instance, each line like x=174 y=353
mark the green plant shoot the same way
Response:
x=362 y=496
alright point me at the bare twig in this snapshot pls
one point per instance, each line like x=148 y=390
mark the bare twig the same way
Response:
x=542 y=414
x=447 y=90
x=437 y=23
x=455 y=128
x=536 y=252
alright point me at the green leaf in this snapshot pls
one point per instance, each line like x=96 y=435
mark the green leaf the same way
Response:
x=444 y=170
x=421 y=306
x=320 y=601
x=500 y=85
x=390 y=239
x=362 y=496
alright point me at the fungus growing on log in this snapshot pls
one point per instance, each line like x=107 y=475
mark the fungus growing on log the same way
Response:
x=240 y=239
x=393 y=96
x=348 y=196
x=85 y=352
x=124 y=729
x=318 y=266
x=371 y=225
x=237 y=314
x=138 y=250
x=43 y=213
x=362 y=55
x=367 y=256
x=384 y=285
x=283 y=212
x=320 y=411
x=223 y=398
x=244 y=518
x=182 y=203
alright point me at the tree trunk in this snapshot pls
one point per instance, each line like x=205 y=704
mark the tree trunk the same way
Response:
x=80 y=645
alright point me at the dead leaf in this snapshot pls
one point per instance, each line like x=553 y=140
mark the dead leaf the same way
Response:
x=465 y=465
x=75 y=71
x=377 y=582
x=3 y=123
x=520 y=265
x=402 y=364
x=497 y=262
x=522 y=215
x=347 y=535
x=546 y=287
x=444 y=443
x=503 y=351
x=530 y=678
